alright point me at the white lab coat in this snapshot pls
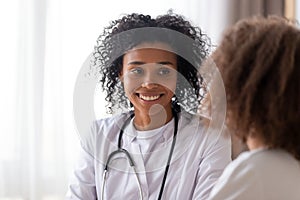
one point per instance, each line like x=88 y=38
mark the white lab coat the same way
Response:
x=260 y=175
x=199 y=157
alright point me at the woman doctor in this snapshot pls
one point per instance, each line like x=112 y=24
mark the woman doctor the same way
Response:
x=159 y=148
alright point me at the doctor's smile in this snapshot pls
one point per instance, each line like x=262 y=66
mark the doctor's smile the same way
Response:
x=148 y=98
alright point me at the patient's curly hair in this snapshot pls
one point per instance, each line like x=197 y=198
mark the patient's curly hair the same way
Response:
x=119 y=38
x=259 y=59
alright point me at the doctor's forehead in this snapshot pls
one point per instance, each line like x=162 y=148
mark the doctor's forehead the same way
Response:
x=149 y=55
x=153 y=45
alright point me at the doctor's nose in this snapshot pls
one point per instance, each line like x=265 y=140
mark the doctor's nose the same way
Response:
x=149 y=84
x=149 y=80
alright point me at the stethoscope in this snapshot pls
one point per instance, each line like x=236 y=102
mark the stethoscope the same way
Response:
x=131 y=162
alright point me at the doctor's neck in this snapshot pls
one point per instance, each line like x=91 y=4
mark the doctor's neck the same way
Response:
x=155 y=118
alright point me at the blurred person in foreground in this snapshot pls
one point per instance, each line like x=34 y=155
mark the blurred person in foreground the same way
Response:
x=259 y=60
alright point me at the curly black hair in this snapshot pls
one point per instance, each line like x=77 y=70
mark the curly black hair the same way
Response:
x=125 y=33
x=259 y=59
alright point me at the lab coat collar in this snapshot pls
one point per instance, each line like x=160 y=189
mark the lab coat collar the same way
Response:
x=131 y=133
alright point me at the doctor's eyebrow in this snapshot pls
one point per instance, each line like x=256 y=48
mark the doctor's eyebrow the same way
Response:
x=136 y=63
x=165 y=63
x=142 y=63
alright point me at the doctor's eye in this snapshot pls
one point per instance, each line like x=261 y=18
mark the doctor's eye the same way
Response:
x=165 y=71
x=137 y=71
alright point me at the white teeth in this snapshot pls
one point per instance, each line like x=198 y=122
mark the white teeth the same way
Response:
x=149 y=98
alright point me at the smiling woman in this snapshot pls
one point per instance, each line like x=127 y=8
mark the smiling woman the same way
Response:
x=158 y=147
x=149 y=79
x=139 y=33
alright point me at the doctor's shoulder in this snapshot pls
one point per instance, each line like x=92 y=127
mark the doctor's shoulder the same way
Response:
x=102 y=130
x=204 y=127
x=188 y=119
x=207 y=138
x=110 y=125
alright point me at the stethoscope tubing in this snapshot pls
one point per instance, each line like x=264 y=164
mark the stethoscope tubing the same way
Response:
x=131 y=161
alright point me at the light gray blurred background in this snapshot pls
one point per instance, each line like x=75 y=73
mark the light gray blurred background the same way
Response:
x=43 y=44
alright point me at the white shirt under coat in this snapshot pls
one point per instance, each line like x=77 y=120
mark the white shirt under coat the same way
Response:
x=199 y=157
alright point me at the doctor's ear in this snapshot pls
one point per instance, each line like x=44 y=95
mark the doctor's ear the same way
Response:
x=121 y=77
